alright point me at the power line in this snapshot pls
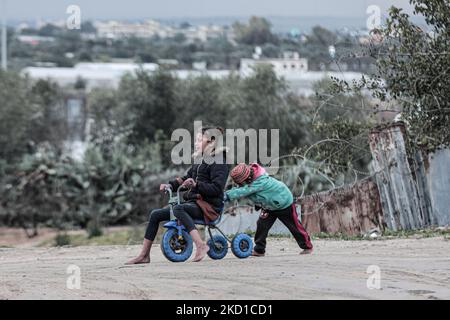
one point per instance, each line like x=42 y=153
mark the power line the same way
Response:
x=4 y=36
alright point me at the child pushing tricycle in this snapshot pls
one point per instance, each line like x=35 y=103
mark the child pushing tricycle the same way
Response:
x=274 y=199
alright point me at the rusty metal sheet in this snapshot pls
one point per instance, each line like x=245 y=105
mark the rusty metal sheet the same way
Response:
x=398 y=191
x=351 y=210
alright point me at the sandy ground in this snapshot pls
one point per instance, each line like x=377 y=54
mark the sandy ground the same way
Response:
x=15 y=237
x=410 y=269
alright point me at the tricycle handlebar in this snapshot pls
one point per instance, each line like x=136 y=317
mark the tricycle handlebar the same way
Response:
x=168 y=189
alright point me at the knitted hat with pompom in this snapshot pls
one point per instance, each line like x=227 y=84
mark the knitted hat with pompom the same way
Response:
x=240 y=173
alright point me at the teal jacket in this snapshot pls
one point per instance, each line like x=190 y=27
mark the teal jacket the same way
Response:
x=264 y=191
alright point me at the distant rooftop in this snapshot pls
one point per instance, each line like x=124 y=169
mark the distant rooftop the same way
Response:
x=110 y=74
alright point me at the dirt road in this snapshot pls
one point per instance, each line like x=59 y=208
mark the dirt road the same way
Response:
x=410 y=269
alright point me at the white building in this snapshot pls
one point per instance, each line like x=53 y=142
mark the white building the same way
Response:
x=203 y=33
x=151 y=28
x=303 y=83
x=290 y=65
x=147 y=29
x=94 y=74
x=34 y=40
x=110 y=74
x=295 y=71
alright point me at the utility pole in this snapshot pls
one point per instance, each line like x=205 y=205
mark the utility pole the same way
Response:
x=4 y=36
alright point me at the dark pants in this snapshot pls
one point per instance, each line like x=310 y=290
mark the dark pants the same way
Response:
x=289 y=218
x=185 y=212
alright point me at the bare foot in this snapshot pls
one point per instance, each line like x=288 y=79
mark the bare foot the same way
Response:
x=307 y=251
x=201 y=252
x=257 y=254
x=139 y=260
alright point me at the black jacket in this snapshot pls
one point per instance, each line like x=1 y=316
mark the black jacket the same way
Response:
x=211 y=180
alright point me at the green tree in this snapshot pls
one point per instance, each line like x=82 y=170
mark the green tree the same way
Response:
x=322 y=36
x=340 y=124
x=413 y=68
x=88 y=27
x=16 y=112
x=49 y=123
x=264 y=102
x=199 y=99
x=150 y=100
x=257 y=32
x=49 y=30
x=104 y=106
x=30 y=114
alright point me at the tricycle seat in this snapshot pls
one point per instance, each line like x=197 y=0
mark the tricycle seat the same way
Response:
x=211 y=223
x=202 y=222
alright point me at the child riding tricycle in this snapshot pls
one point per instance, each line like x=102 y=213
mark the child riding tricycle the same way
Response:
x=203 y=204
x=176 y=243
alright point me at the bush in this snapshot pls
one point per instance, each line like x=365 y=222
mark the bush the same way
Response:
x=94 y=229
x=62 y=239
x=105 y=189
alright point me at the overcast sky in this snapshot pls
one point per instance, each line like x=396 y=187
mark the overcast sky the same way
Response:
x=137 y=9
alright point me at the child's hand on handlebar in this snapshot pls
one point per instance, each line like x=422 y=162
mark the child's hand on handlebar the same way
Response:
x=164 y=187
x=189 y=183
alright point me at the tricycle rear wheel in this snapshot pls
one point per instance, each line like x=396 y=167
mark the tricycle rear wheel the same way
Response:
x=218 y=247
x=242 y=245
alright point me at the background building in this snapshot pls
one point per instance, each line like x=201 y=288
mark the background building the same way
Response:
x=290 y=65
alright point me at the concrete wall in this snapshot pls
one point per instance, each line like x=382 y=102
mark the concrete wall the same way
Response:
x=245 y=220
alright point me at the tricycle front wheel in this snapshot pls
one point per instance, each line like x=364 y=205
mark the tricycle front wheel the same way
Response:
x=176 y=248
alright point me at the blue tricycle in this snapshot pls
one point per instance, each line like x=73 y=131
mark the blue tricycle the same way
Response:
x=177 y=244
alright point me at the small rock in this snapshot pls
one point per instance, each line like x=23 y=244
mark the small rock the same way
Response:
x=373 y=233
